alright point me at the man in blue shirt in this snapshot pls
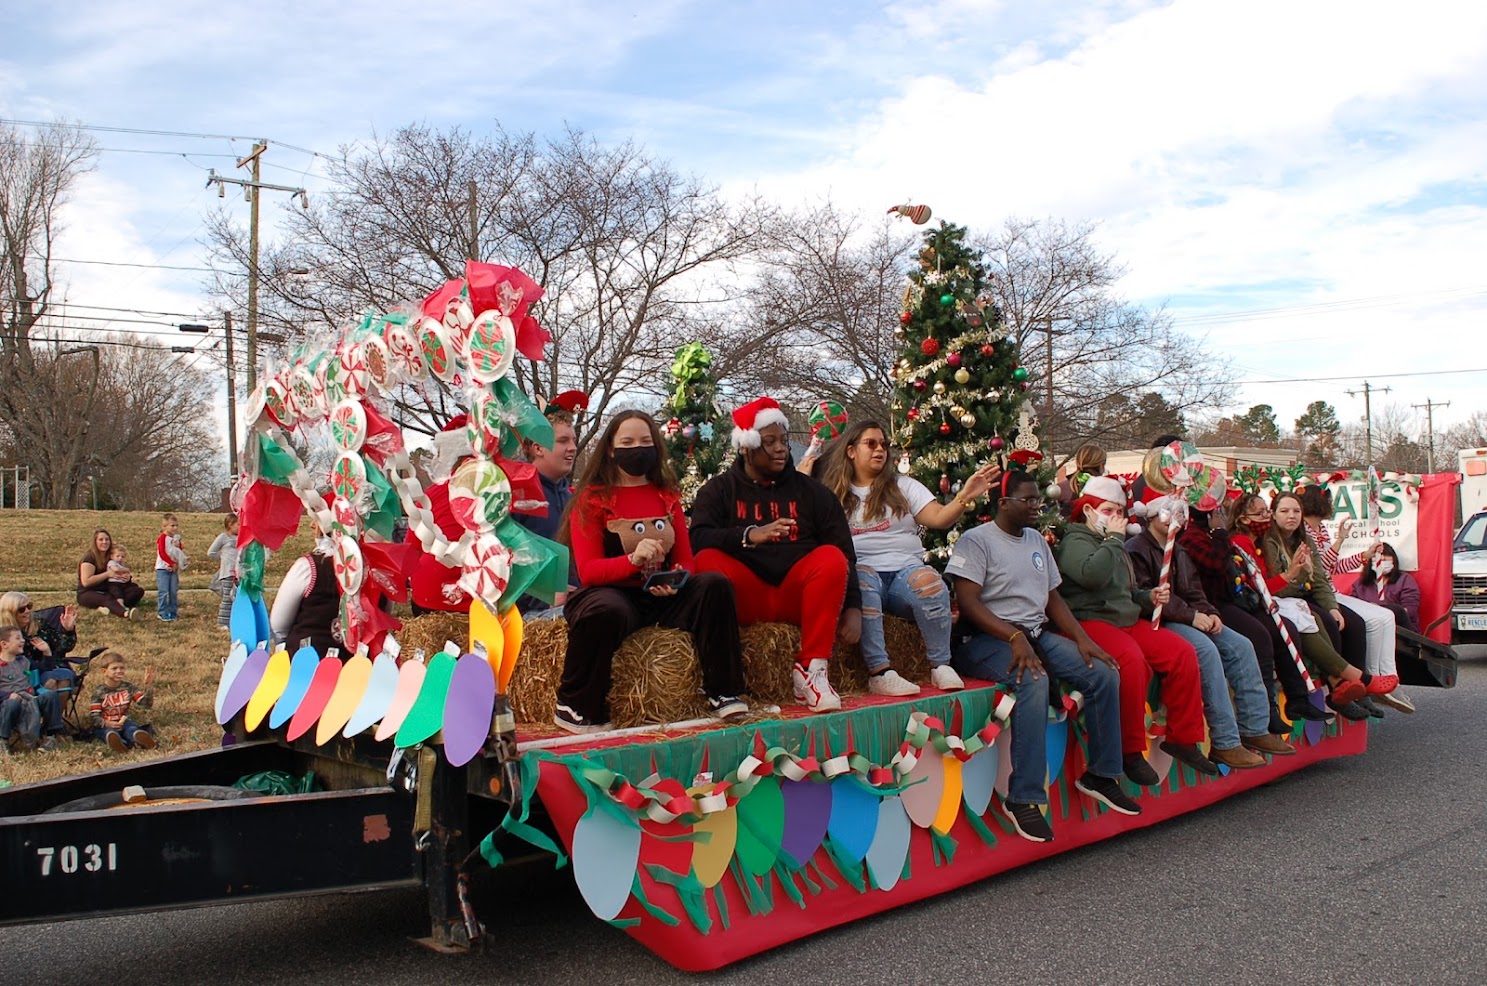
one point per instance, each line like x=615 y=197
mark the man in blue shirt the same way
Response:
x=554 y=469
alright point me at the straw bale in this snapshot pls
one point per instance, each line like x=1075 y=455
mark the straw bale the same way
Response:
x=657 y=678
x=429 y=632
x=534 y=683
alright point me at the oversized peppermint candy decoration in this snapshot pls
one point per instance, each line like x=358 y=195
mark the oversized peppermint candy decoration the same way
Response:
x=279 y=403
x=354 y=377
x=403 y=349
x=433 y=343
x=306 y=403
x=345 y=518
x=479 y=494
x=347 y=561
x=492 y=347
x=458 y=314
x=348 y=425
x=485 y=422
x=348 y=476
x=827 y=420
x=379 y=361
x=486 y=570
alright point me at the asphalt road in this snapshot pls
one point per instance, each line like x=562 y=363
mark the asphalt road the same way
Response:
x=1361 y=870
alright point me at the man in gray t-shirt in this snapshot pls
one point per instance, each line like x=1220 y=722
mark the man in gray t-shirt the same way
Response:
x=1007 y=586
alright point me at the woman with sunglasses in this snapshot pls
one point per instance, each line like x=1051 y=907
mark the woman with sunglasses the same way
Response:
x=885 y=510
x=48 y=637
x=1288 y=575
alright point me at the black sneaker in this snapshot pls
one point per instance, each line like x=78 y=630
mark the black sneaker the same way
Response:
x=1371 y=707
x=1139 y=772
x=1028 y=820
x=1349 y=710
x=727 y=706
x=1277 y=725
x=567 y=719
x=1300 y=708
x=1108 y=792
x=1189 y=754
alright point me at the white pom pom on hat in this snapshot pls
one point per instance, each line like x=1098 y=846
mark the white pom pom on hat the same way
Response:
x=759 y=413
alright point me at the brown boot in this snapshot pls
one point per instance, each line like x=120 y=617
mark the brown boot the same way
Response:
x=1273 y=745
x=1237 y=758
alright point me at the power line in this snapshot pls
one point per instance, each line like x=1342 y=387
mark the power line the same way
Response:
x=105 y=308
x=122 y=263
x=1386 y=376
x=157 y=133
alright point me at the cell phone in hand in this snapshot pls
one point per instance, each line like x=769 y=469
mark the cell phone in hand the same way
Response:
x=676 y=578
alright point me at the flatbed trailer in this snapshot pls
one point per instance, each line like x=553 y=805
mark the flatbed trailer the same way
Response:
x=636 y=814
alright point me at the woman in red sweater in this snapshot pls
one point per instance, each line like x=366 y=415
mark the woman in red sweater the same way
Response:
x=627 y=532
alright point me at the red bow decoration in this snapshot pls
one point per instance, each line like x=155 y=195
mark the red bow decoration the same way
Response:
x=383 y=437
x=1025 y=457
x=270 y=515
x=511 y=292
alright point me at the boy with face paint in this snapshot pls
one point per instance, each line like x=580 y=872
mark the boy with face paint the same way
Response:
x=783 y=540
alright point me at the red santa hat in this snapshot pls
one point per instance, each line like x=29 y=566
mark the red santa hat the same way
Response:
x=756 y=414
x=572 y=401
x=1099 y=489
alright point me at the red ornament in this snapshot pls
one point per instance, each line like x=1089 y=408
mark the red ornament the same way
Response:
x=920 y=385
x=953 y=359
x=906 y=317
x=930 y=347
x=944 y=482
x=944 y=427
x=988 y=350
x=996 y=443
x=913 y=414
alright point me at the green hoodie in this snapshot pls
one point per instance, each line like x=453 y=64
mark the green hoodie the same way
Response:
x=1097 y=577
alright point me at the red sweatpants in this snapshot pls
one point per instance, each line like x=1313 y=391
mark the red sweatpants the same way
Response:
x=1141 y=651
x=810 y=597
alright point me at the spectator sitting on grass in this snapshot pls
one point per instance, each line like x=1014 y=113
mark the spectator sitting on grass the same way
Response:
x=96 y=588
x=112 y=702
x=21 y=709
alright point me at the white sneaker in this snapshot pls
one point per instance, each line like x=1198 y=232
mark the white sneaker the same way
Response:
x=890 y=682
x=943 y=677
x=812 y=689
x=1396 y=700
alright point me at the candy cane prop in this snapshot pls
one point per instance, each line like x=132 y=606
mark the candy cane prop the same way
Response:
x=1373 y=505
x=1257 y=580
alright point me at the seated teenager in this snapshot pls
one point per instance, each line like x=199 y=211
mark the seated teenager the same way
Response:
x=1007 y=587
x=1226 y=582
x=1089 y=461
x=554 y=468
x=1226 y=659
x=1092 y=560
x=627 y=532
x=1367 y=626
x=1385 y=583
x=885 y=511
x=1252 y=521
x=782 y=539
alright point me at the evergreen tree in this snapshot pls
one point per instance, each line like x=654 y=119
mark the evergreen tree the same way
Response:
x=961 y=395
x=698 y=447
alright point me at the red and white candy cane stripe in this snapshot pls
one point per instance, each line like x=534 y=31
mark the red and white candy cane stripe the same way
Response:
x=1258 y=581
x=1165 y=579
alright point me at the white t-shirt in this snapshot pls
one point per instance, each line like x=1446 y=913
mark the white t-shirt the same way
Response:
x=1016 y=574
x=890 y=544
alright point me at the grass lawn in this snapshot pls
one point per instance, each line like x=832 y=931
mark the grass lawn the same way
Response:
x=40 y=552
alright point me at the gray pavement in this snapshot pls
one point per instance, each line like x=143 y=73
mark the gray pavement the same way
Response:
x=1362 y=870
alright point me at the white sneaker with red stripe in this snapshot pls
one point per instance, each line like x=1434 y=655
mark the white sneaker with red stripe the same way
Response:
x=812 y=689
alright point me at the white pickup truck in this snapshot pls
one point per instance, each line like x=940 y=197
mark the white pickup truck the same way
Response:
x=1469 y=582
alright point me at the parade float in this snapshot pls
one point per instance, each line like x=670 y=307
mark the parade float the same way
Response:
x=432 y=746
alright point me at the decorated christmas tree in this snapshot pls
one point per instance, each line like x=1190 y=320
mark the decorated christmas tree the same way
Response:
x=961 y=397
x=698 y=449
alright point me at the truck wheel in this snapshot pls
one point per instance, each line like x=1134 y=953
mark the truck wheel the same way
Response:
x=184 y=794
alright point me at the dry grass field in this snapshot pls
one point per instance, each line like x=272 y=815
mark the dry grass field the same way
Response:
x=39 y=553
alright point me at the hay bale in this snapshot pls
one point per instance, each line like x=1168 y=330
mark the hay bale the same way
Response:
x=657 y=678
x=769 y=651
x=534 y=683
x=429 y=632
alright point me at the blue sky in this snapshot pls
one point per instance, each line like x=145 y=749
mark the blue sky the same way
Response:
x=1303 y=184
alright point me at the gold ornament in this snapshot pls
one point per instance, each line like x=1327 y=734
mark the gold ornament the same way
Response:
x=962 y=375
x=968 y=420
x=939 y=386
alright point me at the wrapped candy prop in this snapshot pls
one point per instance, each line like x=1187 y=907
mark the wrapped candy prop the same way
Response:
x=330 y=399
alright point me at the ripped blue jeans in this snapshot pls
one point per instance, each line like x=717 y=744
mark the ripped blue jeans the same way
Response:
x=917 y=592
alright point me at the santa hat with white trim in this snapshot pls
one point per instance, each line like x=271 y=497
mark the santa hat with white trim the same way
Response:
x=756 y=414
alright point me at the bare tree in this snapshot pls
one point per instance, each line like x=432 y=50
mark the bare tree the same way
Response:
x=1084 y=344
x=819 y=317
x=37 y=172
x=627 y=250
x=1470 y=433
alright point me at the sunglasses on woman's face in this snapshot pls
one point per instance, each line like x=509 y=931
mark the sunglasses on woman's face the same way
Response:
x=872 y=444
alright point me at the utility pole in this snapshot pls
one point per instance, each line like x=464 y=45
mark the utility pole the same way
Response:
x=474 y=253
x=1430 y=407
x=232 y=402
x=1367 y=390
x=251 y=187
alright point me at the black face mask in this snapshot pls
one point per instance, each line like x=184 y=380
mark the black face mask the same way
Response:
x=637 y=460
